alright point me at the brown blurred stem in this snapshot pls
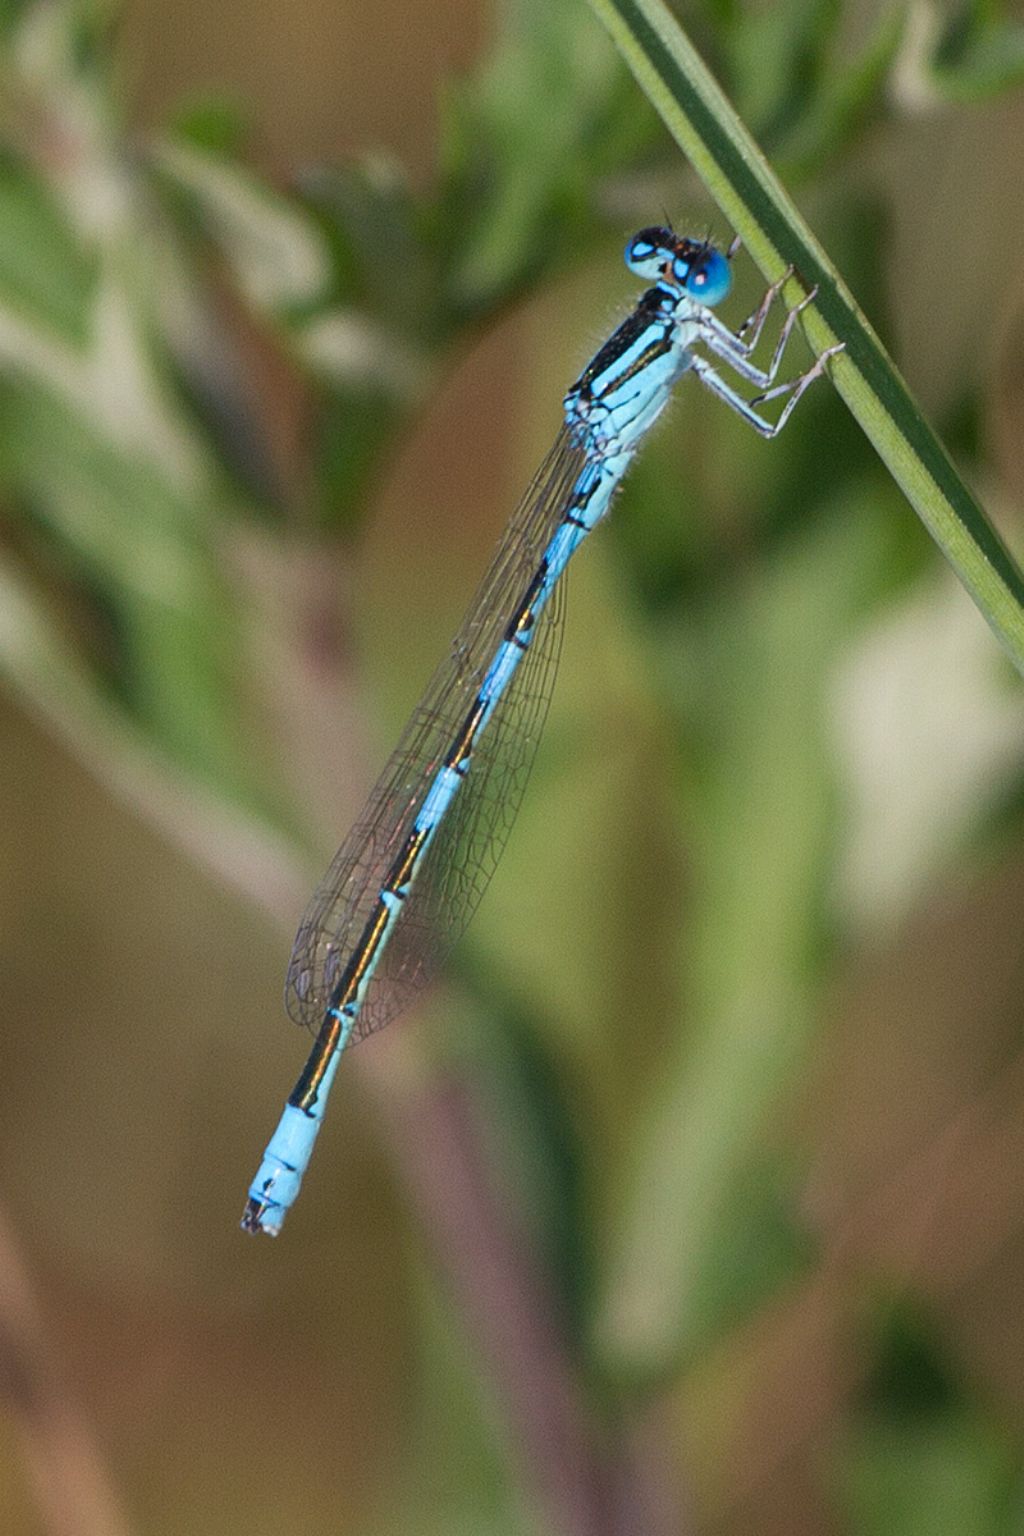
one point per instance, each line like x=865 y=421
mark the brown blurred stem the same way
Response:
x=72 y=1489
x=580 y=1484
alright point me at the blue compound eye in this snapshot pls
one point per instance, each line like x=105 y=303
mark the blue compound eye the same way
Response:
x=710 y=278
x=648 y=253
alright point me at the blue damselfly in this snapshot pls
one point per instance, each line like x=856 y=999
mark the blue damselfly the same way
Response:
x=406 y=880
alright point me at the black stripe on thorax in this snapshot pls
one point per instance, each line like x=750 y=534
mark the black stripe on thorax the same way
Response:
x=652 y=306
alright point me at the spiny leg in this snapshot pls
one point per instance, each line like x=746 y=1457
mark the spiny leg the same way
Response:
x=723 y=343
x=749 y=333
x=746 y=337
x=713 y=381
x=791 y=384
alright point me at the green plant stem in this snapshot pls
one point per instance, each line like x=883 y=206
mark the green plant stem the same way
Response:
x=707 y=129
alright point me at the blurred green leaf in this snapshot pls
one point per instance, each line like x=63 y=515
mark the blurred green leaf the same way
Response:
x=214 y=124
x=846 y=99
x=523 y=142
x=47 y=275
x=776 y=57
x=954 y=1478
x=111 y=510
x=11 y=13
x=918 y=1456
x=978 y=53
x=109 y=517
x=274 y=250
x=383 y=261
x=759 y=1249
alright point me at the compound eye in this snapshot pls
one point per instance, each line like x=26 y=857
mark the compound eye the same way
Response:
x=711 y=280
x=648 y=254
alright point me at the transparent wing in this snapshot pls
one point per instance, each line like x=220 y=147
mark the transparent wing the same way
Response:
x=469 y=842
x=467 y=845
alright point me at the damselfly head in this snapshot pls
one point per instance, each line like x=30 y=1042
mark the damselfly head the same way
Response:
x=696 y=267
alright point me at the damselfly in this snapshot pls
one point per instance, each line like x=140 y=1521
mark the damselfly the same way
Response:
x=406 y=880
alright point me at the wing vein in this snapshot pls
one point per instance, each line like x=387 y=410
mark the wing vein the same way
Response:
x=465 y=850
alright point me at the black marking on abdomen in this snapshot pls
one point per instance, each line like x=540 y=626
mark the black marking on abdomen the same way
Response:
x=462 y=746
x=520 y=626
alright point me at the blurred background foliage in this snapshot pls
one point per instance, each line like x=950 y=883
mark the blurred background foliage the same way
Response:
x=695 y=1199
